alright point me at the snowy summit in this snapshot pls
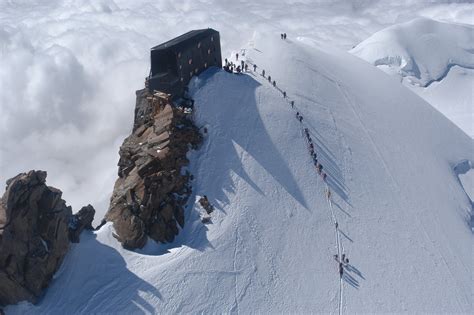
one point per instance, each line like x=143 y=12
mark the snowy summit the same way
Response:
x=399 y=207
x=274 y=157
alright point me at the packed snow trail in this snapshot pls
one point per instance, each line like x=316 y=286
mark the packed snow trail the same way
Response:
x=269 y=248
x=309 y=143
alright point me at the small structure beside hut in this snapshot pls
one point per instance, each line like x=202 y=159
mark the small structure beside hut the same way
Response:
x=175 y=62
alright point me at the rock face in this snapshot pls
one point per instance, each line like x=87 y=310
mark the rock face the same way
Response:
x=33 y=236
x=151 y=190
x=81 y=221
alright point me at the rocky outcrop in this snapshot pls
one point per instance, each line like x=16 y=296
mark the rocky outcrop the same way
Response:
x=33 y=236
x=151 y=191
x=81 y=221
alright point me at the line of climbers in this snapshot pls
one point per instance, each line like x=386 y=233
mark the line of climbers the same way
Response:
x=314 y=156
x=229 y=67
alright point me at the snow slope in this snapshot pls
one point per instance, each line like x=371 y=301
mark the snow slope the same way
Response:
x=433 y=58
x=401 y=211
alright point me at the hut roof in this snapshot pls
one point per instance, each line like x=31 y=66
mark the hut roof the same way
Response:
x=186 y=39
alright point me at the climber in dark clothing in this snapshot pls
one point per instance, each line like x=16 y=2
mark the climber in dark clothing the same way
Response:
x=269 y=79
x=298 y=115
x=281 y=35
x=341 y=269
x=237 y=56
x=263 y=73
x=242 y=63
x=254 y=67
x=246 y=67
x=274 y=83
x=301 y=118
x=292 y=104
x=284 y=94
x=324 y=176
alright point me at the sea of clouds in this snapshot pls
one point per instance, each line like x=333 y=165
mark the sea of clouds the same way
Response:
x=69 y=69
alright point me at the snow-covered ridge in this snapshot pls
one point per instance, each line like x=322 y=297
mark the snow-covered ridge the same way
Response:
x=423 y=49
x=399 y=205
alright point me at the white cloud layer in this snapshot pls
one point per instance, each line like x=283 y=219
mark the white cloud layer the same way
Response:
x=69 y=69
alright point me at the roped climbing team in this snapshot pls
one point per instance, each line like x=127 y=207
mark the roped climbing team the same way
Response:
x=230 y=67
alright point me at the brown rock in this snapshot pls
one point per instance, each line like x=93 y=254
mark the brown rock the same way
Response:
x=150 y=192
x=33 y=236
x=81 y=221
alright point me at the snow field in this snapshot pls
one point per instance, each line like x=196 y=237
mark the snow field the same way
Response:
x=389 y=158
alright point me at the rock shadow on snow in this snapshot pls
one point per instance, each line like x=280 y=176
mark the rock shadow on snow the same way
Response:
x=106 y=284
x=228 y=137
x=193 y=235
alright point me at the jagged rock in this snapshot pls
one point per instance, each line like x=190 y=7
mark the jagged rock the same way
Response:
x=151 y=190
x=33 y=236
x=204 y=202
x=81 y=221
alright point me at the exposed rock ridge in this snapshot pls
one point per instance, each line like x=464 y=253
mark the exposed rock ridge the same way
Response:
x=33 y=236
x=151 y=191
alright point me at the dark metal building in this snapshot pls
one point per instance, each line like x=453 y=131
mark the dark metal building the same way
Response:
x=175 y=62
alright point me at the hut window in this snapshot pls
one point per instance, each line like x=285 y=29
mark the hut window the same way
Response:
x=182 y=79
x=191 y=74
x=209 y=51
x=212 y=38
x=196 y=70
x=190 y=61
x=180 y=67
x=179 y=55
x=205 y=65
x=199 y=45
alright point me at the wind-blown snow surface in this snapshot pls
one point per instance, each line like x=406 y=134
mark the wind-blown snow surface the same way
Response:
x=401 y=211
x=433 y=58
